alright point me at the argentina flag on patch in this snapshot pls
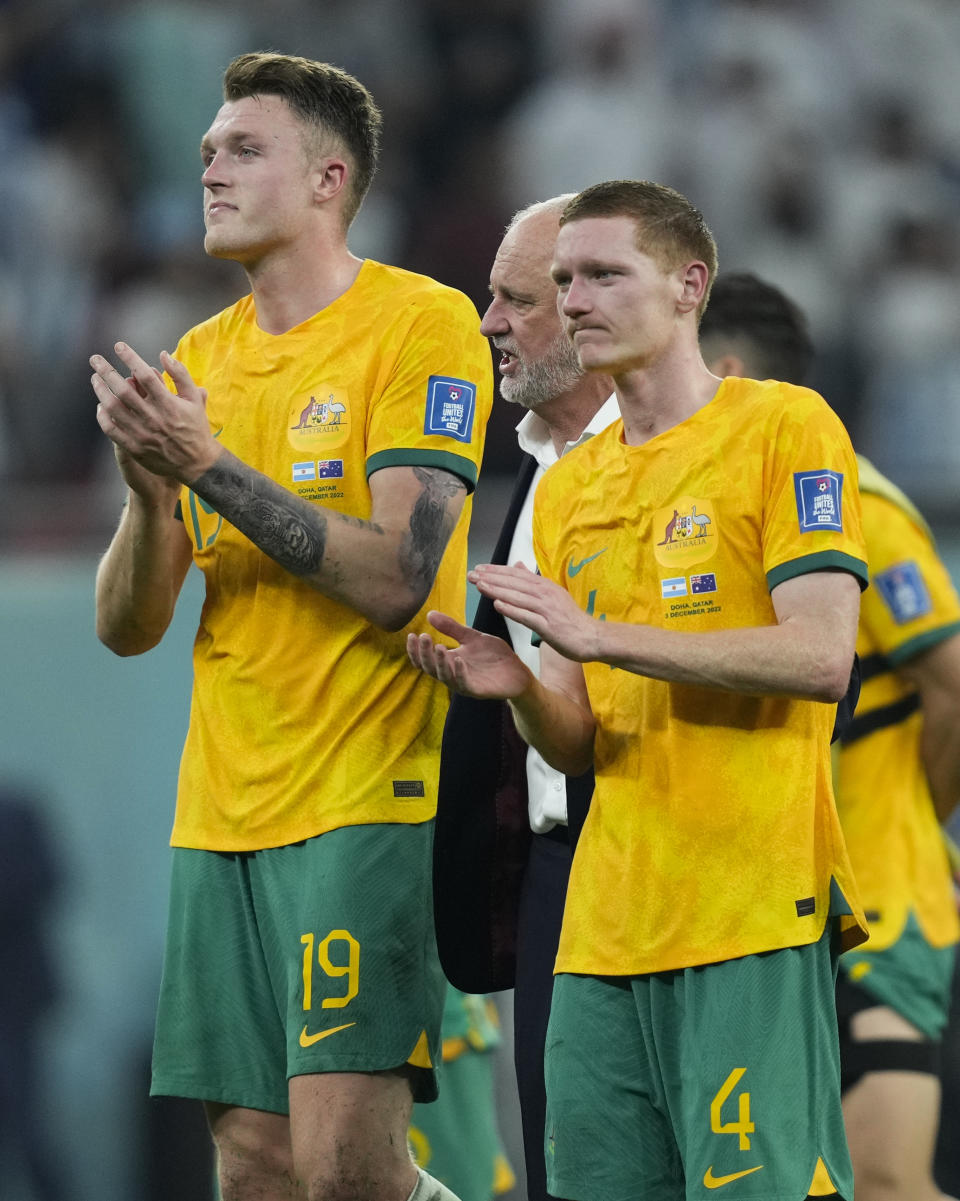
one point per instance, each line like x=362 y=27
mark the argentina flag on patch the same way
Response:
x=904 y=592
x=450 y=407
x=818 y=500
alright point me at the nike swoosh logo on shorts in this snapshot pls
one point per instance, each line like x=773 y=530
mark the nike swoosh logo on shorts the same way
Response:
x=711 y=1181
x=307 y=1040
x=576 y=568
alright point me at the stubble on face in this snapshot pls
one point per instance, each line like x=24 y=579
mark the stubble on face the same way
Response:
x=537 y=382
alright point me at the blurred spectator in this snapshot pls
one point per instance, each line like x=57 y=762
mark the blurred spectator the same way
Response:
x=29 y=880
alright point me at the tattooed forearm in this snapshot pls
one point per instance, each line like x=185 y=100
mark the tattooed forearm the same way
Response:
x=284 y=527
x=430 y=526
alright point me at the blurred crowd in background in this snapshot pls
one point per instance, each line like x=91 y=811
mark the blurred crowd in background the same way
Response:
x=819 y=137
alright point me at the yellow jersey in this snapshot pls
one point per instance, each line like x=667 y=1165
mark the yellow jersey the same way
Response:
x=305 y=717
x=895 y=841
x=712 y=832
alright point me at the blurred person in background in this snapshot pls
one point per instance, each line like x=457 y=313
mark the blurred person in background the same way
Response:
x=507 y=822
x=29 y=986
x=897 y=780
x=457 y=1138
x=313 y=454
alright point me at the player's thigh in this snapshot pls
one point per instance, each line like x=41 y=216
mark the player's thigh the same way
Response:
x=892 y=1109
x=348 y=932
x=891 y=1121
x=608 y=1130
x=748 y=1048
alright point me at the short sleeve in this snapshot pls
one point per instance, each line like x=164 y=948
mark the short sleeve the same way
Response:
x=433 y=410
x=811 y=516
x=912 y=603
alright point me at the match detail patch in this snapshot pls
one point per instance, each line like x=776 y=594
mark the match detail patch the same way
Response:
x=450 y=407
x=819 y=495
x=904 y=592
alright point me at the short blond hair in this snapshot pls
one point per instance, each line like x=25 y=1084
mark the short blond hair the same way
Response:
x=669 y=228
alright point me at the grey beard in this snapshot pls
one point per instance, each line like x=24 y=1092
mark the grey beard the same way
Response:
x=537 y=383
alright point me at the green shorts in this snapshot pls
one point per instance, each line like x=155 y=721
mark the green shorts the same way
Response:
x=910 y=976
x=676 y=1084
x=314 y=957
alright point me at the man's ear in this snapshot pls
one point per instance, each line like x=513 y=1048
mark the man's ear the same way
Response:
x=727 y=364
x=694 y=279
x=330 y=178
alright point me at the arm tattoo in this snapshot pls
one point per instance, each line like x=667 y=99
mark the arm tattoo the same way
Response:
x=283 y=526
x=430 y=527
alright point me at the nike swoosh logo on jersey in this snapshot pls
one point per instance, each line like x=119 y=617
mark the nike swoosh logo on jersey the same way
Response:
x=711 y=1181
x=307 y=1040
x=576 y=568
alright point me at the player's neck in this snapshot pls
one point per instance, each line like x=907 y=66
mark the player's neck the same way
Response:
x=290 y=288
x=656 y=398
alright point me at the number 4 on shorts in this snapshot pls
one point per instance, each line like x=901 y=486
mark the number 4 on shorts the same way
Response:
x=742 y=1126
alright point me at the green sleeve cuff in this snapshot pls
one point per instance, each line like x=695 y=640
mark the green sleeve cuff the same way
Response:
x=922 y=642
x=827 y=560
x=456 y=464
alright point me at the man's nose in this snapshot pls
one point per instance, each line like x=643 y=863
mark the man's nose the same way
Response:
x=494 y=320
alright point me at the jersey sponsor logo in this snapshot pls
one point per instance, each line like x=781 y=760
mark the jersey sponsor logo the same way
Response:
x=685 y=532
x=904 y=592
x=819 y=495
x=304 y=471
x=703 y=583
x=574 y=567
x=677 y=586
x=307 y=1040
x=323 y=421
x=711 y=1181
x=450 y=407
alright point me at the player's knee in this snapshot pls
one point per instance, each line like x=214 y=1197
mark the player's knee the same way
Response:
x=249 y=1159
x=354 y=1181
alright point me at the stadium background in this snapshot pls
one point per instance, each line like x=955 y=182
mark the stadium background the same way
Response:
x=820 y=138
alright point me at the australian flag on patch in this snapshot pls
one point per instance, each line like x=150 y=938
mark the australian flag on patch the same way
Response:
x=703 y=583
x=330 y=469
x=819 y=496
x=450 y=407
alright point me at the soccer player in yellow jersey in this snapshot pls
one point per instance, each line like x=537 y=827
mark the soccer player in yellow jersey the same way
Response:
x=898 y=777
x=311 y=449
x=702 y=563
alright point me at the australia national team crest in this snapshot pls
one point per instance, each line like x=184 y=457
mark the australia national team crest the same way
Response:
x=320 y=421
x=819 y=500
x=450 y=407
x=686 y=532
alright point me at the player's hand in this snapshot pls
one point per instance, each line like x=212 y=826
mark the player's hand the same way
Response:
x=540 y=605
x=165 y=433
x=480 y=666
